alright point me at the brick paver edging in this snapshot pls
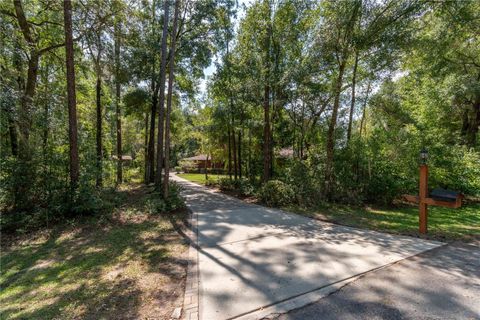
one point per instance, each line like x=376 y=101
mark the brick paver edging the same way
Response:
x=190 y=302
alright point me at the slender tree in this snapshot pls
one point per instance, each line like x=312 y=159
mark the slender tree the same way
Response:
x=118 y=114
x=28 y=85
x=169 y=98
x=266 y=97
x=161 y=100
x=150 y=155
x=71 y=95
x=352 y=104
x=96 y=57
x=342 y=53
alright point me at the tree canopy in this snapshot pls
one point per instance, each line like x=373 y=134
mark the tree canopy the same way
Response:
x=334 y=98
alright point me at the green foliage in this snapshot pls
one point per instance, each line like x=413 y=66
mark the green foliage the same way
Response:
x=188 y=166
x=301 y=177
x=86 y=201
x=226 y=184
x=277 y=193
x=242 y=186
x=415 y=66
x=156 y=204
x=246 y=187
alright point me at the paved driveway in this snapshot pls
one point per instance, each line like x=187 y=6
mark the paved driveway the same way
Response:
x=254 y=261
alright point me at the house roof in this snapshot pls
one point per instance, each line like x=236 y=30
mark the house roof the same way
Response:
x=200 y=157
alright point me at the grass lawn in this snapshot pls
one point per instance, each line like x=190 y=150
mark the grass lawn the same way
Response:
x=200 y=177
x=126 y=264
x=443 y=223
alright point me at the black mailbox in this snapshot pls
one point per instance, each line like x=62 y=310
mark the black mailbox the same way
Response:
x=445 y=195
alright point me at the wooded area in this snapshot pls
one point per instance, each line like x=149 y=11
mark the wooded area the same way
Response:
x=309 y=101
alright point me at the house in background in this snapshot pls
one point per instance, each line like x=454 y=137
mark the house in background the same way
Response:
x=199 y=163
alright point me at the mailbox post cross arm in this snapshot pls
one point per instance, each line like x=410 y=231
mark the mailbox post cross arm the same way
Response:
x=423 y=200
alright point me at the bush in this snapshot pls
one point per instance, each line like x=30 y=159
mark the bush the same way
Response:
x=178 y=169
x=243 y=186
x=300 y=177
x=188 y=166
x=86 y=200
x=157 y=204
x=226 y=184
x=277 y=193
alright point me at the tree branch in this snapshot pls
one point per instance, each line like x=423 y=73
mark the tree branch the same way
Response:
x=8 y=13
x=22 y=21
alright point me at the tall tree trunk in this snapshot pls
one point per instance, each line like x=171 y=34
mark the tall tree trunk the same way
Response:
x=249 y=154
x=231 y=127
x=272 y=141
x=117 y=103
x=235 y=163
x=150 y=155
x=169 y=99
x=46 y=120
x=99 y=180
x=266 y=134
x=24 y=171
x=12 y=125
x=229 y=153
x=352 y=105
x=273 y=114
x=151 y=140
x=329 y=177
x=161 y=85
x=145 y=149
x=46 y=127
x=471 y=123
x=24 y=114
x=206 y=168
x=24 y=117
x=266 y=103
x=362 y=122
x=240 y=154
x=72 y=103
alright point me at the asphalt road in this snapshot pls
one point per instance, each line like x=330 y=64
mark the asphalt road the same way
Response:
x=443 y=283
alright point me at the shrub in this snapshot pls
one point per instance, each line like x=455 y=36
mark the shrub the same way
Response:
x=157 y=204
x=175 y=200
x=86 y=200
x=243 y=186
x=301 y=178
x=188 y=166
x=211 y=182
x=277 y=193
x=226 y=184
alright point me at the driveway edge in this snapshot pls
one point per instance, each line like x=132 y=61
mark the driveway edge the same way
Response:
x=190 y=301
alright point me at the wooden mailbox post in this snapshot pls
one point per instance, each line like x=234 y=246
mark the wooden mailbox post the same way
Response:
x=438 y=197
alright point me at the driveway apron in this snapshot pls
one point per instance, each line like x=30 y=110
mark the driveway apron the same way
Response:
x=254 y=258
